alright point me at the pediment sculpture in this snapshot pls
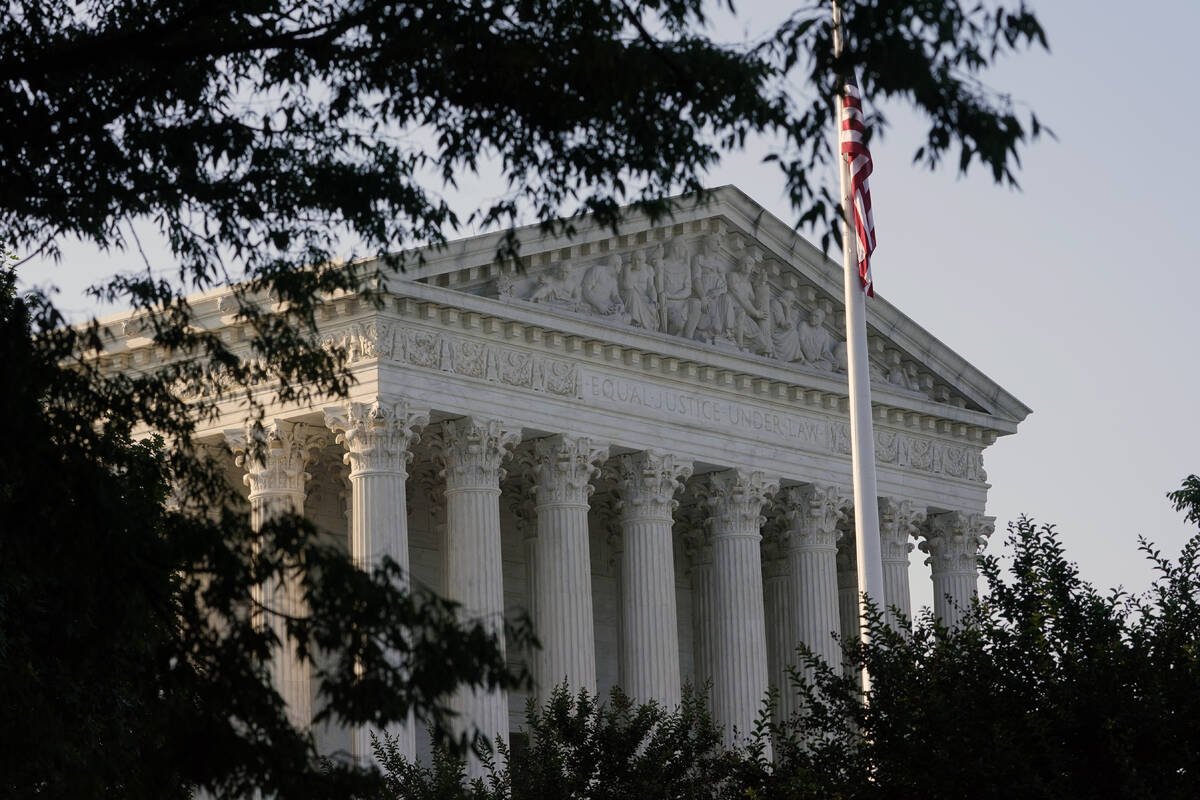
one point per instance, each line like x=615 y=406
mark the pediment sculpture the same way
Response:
x=715 y=289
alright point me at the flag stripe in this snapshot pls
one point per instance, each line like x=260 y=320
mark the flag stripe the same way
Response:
x=854 y=147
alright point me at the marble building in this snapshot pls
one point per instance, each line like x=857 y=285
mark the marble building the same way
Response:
x=641 y=439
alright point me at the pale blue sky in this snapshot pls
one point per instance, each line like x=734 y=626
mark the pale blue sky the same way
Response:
x=1076 y=294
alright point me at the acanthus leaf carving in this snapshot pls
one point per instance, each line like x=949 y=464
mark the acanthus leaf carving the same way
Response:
x=648 y=482
x=564 y=467
x=813 y=512
x=275 y=454
x=735 y=498
x=472 y=450
x=378 y=435
x=899 y=522
x=953 y=540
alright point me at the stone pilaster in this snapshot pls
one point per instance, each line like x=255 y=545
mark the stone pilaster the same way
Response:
x=813 y=512
x=378 y=437
x=898 y=522
x=691 y=525
x=779 y=619
x=953 y=542
x=518 y=495
x=564 y=466
x=649 y=665
x=735 y=501
x=471 y=451
x=275 y=456
x=847 y=580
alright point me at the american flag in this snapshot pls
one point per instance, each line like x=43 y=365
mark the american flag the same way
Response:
x=851 y=137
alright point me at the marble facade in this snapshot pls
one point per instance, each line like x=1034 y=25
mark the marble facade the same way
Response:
x=641 y=439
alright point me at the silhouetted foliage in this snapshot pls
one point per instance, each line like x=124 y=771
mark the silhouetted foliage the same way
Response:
x=578 y=746
x=1051 y=689
x=130 y=658
x=256 y=137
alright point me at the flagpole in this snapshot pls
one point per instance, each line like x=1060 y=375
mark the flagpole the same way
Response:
x=862 y=437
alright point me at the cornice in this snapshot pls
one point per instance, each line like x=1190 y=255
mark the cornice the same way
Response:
x=583 y=339
x=354 y=325
x=695 y=365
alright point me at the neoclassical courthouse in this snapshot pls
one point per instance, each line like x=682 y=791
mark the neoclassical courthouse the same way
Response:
x=640 y=439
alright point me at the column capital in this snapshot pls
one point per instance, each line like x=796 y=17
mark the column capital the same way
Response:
x=954 y=539
x=813 y=512
x=564 y=466
x=378 y=434
x=648 y=482
x=734 y=499
x=274 y=454
x=472 y=450
x=899 y=522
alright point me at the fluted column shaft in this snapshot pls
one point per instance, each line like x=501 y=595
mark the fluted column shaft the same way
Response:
x=649 y=665
x=274 y=457
x=898 y=521
x=735 y=501
x=953 y=542
x=812 y=512
x=564 y=466
x=472 y=451
x=378 y=437
x=777 y=605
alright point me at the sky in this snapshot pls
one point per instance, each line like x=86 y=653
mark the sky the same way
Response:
x=1075 y=293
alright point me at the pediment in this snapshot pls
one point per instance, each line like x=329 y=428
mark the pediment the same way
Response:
x=721 y=277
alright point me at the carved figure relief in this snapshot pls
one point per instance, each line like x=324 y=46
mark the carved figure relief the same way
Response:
x=638 y=293
x=554 y=286
x=679 y=309
x=714 y=289
x=751 y=307
x=711 y=289
x=600 y=292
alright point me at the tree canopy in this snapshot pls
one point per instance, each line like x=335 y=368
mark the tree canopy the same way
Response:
x=256 y=136
x=1050 y=689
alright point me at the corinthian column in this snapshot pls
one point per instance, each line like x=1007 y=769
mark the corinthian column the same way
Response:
x=378 y=436
x=274 y=457
x=649 y=665
x=813 y=512
x=472 y=450
x=898 y=521
x=564 y=467
x=735 y=500
x=953 y=542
